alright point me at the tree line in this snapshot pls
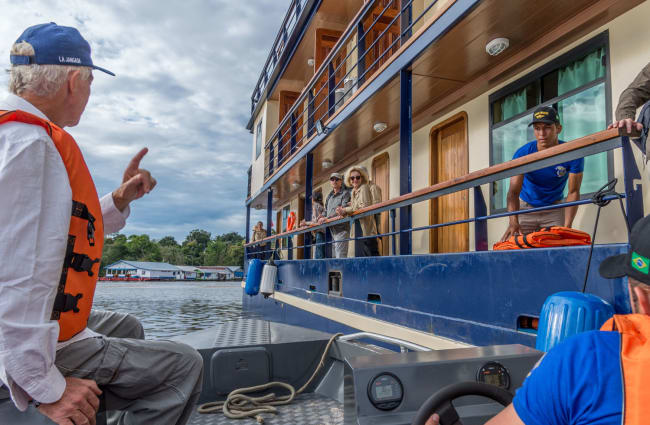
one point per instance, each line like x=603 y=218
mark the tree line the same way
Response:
x=198 y=249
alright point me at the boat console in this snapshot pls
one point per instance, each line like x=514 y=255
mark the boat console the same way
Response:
x=361 y=382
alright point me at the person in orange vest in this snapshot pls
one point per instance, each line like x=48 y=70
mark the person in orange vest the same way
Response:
x=598 y=376
x=56 y=353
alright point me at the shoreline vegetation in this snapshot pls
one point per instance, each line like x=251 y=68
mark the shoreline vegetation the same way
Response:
x=198 y=249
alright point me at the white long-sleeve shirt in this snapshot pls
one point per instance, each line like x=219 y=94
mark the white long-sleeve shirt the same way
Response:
x=35 y=199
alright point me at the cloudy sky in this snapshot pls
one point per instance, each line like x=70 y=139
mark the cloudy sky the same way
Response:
x=185 y=73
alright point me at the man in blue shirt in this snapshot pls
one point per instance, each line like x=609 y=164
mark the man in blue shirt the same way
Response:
x=580 y=380
x=544 y=186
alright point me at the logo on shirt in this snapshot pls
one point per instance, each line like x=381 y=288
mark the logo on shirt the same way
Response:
x=640 y=263
x=560 y=171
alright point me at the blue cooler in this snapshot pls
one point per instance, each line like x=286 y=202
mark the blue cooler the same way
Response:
x=568 y=313
x=254 y=276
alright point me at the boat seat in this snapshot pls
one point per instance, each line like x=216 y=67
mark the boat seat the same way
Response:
x=9 y=414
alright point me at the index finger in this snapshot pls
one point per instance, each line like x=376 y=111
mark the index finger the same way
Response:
x=135 y=162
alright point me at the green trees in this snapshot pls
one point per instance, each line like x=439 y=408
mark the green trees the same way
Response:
x=198 y=249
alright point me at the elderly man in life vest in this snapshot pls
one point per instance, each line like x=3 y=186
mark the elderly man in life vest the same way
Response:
x=545 y=186
x=55 y=352
x=596 y=377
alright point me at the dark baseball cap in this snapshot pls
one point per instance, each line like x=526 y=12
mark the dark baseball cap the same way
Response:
x=55 y=45
x=636 y=263
x=545 y=114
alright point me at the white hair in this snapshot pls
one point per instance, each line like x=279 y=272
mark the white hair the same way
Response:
x=42 y=80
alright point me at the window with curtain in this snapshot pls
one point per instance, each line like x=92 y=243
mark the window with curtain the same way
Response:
x=258 y=139
x=576 y=86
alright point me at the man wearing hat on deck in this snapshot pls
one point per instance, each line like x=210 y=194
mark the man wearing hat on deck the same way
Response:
x=56 y=353
x=338 y=197
x=545 y=186
x=596 y=377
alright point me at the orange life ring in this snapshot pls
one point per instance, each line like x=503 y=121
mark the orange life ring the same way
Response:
x=291 y=221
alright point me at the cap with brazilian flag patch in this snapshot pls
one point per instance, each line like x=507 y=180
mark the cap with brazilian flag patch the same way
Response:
x=636 y=263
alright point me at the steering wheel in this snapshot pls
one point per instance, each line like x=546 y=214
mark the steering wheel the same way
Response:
x=440 y=402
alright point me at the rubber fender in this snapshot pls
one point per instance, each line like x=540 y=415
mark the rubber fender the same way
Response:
x=254 y=276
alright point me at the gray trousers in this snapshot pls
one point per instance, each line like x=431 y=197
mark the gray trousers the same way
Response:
x=533 y=222
x=149 y=382
x=340 y=248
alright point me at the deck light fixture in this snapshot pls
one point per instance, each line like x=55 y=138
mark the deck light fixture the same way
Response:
x=295 y=185
x=497 y=46
x=320 y=129
x=380 y=126
x=327 y=163
x=310 y=62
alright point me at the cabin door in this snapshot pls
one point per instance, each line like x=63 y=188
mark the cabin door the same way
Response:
x=379 y=53
x=287 y=99
x=449 y=159
x=381 y=177
x=325 y=42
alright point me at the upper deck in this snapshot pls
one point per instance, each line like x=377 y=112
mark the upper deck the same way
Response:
x=416 y=69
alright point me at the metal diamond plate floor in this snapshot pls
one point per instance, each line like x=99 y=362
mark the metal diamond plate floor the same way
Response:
x=306 y=409
x=243 y=332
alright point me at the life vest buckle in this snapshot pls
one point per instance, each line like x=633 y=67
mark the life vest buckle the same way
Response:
x=66 y=302
x=82 y=263
x=81 y=210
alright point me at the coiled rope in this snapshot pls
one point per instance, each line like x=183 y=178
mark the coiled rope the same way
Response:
x=239 y=406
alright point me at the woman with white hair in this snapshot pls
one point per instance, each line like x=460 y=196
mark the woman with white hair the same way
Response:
x=357 y=177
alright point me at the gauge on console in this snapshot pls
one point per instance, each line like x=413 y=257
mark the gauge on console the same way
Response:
x=385 y=391
x=494 y=373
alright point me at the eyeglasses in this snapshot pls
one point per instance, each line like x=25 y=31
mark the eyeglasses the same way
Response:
x=355 y=177
x=334 y=179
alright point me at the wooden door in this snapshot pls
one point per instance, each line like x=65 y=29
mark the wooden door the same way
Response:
x=325 y=41
x=381 y=177
x=449 y=159
x=382 y=45
x=287 y=99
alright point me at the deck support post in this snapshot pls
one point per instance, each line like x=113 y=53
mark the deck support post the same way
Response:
x=361 y=50
x=405 y=22
x=309 y=180
x=331 y=91
x=405 y=157
x=247 y=236
x=480 y=226
x=633 y=194
x=269 y=219
x=293 y=142
x=310 y=115
x=392 y=230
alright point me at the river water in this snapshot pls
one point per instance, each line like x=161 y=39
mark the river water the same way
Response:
x=168 y=309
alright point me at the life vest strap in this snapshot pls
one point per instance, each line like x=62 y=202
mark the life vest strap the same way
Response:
x=66 y=302
x=80 y=210
x=81 y=263
x=56 y=313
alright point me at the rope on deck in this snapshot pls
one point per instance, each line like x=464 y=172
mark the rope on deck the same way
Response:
x=239 y=406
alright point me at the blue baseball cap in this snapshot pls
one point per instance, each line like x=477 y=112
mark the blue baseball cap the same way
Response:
x=55 y=45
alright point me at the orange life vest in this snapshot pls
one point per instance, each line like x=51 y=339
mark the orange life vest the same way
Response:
x=635 y=358
x=78 y=279
x=546 y=238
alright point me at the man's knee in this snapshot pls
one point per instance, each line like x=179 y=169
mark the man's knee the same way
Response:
x=191 y=359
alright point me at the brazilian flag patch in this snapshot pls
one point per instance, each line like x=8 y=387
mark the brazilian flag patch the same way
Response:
x=640 y=263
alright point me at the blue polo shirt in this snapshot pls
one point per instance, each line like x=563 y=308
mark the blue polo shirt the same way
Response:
x=546 y=186
x=577 y=382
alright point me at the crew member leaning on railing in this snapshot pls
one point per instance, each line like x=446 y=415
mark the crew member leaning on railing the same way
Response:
x=545 y=186
x=357 y=177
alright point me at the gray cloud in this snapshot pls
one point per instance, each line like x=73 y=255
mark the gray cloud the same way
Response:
x=185 y=72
